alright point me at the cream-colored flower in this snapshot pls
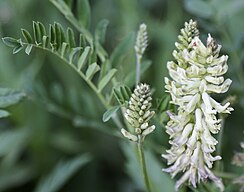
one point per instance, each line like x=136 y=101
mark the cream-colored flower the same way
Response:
x=139 y=113
x=197 y=72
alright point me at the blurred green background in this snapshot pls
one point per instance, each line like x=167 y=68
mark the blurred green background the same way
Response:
x=61 y=118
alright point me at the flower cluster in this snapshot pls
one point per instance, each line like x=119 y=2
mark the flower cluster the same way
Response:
x=139 y=114
x=197 y=72
x=141 y=40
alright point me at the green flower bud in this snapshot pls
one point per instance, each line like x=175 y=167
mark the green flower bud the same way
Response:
x=139 y=113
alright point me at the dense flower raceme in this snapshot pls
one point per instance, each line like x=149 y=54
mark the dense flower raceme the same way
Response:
x=197 y=72
x=138 y=114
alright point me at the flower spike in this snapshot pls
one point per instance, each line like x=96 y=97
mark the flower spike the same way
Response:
x=139 y=113
x=197 y=72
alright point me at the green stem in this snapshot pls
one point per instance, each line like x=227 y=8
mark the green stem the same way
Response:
x=220 y=142
x=225 y=175
x=143 y=165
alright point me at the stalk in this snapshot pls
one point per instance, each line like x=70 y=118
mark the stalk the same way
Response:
x=140 y=150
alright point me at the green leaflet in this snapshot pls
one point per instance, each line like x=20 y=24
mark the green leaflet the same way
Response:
x=106 y=79
x=27 y=35
x=9 y=97
x=37 y=32
x=10 y=140
x=15 y=176
x=110 y=112
x=83 y=12
x=73 y=52
x=59 y=33
x=163 y=103
x=61 y=174
x=45 y=41
x=10 y=42
x=28 y=49
x=100 y=31
x=83 y=58
x=52 y=34
x=122 y=94
x=99 y=39
x=64 y=49
x=91 y=71
x=17 y=49
x=199 y=7
x=3 y=113
x=70 y=37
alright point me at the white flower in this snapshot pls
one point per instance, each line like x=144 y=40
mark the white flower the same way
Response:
x=197 y=72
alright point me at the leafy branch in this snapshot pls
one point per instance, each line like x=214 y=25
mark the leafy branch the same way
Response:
x=62 y=44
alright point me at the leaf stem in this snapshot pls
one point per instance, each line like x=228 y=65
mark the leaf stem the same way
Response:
x=143 y=165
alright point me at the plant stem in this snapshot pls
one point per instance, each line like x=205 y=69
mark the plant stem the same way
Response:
x=225 y=175
x=220 y=142
x=143 y=165
x=138 y=68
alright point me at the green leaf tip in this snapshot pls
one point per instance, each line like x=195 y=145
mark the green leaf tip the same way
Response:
x=10 y=42
x=109 y=113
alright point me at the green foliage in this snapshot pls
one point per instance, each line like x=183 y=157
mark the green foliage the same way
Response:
x=122 y=94
x=93 y=72
x=61 y=173
x=63 y=46
x=121 y=49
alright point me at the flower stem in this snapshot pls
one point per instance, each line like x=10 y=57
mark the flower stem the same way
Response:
x=138 y=68
x=143 y=165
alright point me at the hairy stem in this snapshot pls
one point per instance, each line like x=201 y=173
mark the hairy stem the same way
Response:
x=138 y=68
x=143 y=165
